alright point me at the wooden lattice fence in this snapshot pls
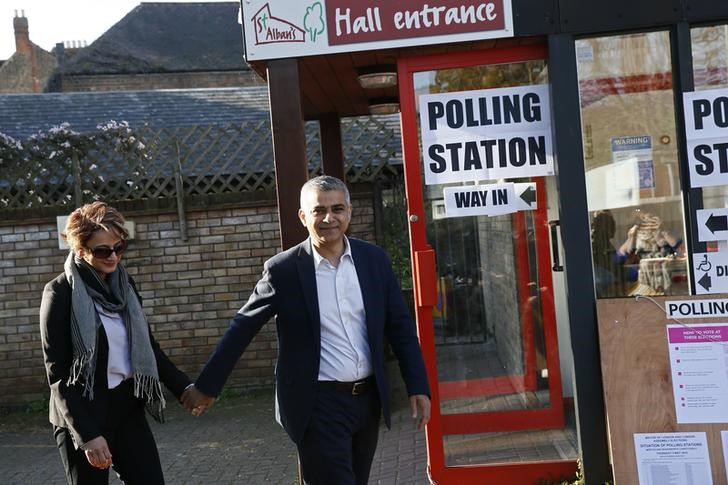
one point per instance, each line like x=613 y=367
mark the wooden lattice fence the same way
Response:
x=183 y=163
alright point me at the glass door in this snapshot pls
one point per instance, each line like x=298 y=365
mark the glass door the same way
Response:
x=482 y=265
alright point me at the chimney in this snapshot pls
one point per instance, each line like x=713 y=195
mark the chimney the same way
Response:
x=22 y=38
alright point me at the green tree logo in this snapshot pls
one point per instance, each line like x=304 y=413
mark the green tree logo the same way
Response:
x=313 y=21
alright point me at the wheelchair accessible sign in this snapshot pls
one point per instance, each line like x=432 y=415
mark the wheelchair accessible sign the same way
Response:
x=711 y=272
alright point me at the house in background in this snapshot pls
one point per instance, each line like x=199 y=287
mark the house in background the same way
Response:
x=30 y=68
x=155 y=46
x=162 y=46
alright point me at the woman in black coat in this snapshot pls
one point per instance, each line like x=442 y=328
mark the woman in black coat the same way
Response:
x=103 y=365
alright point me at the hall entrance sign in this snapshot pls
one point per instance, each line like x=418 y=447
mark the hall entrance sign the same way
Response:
x=294 y=28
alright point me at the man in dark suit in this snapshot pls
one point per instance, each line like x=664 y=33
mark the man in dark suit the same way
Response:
x=335 y=300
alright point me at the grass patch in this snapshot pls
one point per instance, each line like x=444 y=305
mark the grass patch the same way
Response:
x=33 y=414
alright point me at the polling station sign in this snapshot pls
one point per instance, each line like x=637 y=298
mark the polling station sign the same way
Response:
x=706 y=126
x=486 y=134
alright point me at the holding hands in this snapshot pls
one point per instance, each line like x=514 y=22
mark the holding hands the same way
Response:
x=195 y=401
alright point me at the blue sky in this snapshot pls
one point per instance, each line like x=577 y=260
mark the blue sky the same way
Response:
x=52 y=21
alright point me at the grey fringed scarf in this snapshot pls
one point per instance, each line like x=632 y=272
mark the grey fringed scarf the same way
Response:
x=84 y=332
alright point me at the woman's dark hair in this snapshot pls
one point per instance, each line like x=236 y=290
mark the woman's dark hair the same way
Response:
x=90 y=218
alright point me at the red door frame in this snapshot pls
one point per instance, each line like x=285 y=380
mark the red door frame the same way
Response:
x=425 y=289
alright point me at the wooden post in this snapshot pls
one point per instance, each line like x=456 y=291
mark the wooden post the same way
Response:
x=289 y=146
x=180 y=193
x=77 y=180
x=332 y=154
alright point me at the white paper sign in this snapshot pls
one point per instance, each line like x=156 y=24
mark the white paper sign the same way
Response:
x=480 y=200
x=696 y=308
x=292 y=28
x=712 y=224
x=699 y=363
x=636 y=151
x=672 y=459
x=486 y=134
x=711 y=272
x=706 y=127
x=525 y=196
x=485 y=200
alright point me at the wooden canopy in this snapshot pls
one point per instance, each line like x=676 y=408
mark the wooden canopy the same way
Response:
x=328 y=84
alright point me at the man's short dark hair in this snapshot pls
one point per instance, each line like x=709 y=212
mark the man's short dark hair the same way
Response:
x=325 y=183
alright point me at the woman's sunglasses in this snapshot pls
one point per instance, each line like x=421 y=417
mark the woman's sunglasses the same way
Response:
x=103 y=252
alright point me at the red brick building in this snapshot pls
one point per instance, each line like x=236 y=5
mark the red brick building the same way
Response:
x=30 y=68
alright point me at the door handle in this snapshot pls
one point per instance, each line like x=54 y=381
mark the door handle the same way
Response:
x=555 y=245
x=426 y=291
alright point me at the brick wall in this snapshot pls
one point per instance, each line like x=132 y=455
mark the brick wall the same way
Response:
x=174 y=80
x=190 y=288
x=501 y=294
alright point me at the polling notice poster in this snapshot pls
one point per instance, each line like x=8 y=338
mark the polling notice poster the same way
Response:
x=706 y=127
x=672 y=459
x=486 y=134
x=699 y=363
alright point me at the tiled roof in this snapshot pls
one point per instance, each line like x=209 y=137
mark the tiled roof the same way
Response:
x=167 y=37
x=22 y=115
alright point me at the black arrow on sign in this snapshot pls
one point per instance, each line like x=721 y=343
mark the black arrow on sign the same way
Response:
x=705 y=282
x=717 y=223
x=529 y=195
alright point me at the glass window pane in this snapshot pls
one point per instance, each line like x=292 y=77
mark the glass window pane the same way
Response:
x=630 y=157
x=710 y=56
x=472 y=449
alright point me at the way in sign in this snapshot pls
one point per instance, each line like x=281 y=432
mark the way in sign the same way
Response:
x=479 y=198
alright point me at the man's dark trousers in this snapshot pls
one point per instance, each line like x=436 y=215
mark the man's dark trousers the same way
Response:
x=339 y=444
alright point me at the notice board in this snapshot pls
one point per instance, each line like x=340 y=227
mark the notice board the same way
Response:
x=637 y=378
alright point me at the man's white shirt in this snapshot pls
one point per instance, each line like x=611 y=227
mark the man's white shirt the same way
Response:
x=345 y=353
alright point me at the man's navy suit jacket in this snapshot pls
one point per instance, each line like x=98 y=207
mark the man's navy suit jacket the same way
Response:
x=287 y=290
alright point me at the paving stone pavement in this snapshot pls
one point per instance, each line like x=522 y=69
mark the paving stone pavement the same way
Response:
x=235 y=442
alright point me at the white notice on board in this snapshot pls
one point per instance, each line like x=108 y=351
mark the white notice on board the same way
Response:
x=672 y=459
x=699 y=363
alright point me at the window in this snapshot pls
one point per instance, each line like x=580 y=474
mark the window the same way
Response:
x=631 y=165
